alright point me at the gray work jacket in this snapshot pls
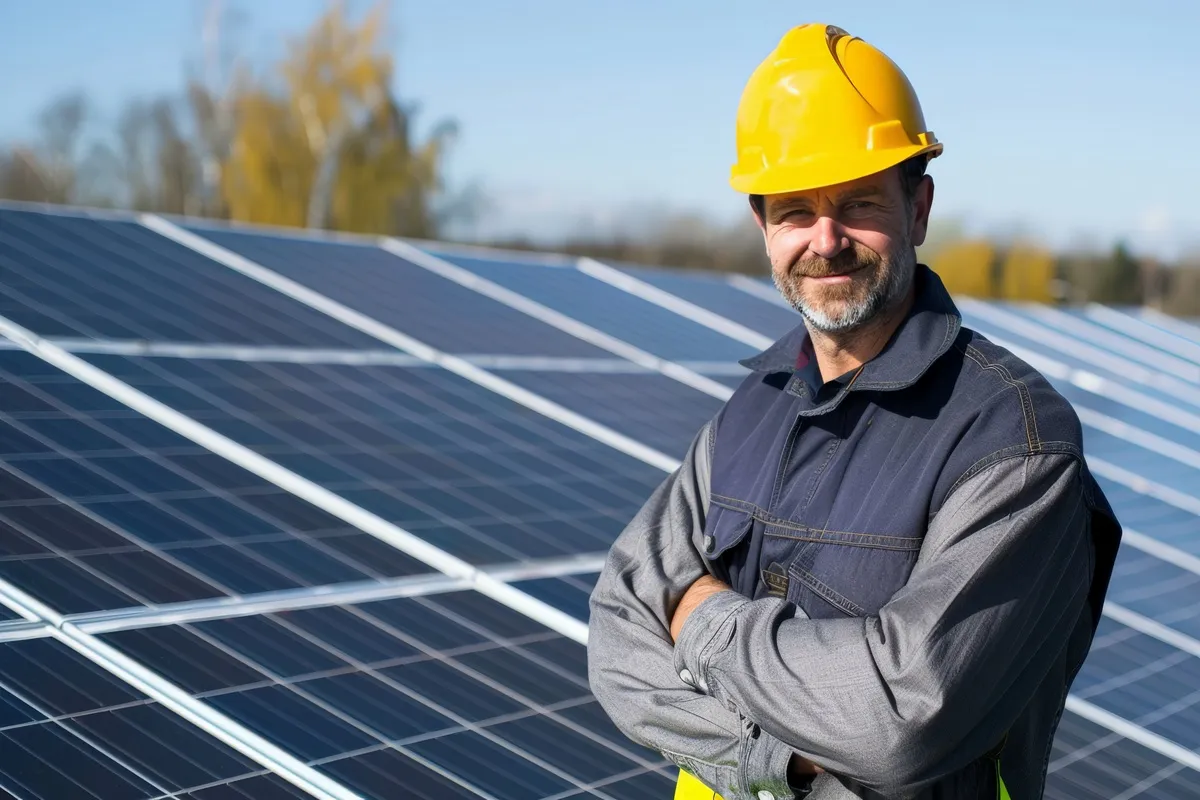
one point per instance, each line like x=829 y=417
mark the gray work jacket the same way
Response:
x=909 y=697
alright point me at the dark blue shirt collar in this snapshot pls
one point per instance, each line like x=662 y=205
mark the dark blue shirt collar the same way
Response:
x=927 y=332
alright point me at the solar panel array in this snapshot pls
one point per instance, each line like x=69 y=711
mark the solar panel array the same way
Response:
x=295 y=517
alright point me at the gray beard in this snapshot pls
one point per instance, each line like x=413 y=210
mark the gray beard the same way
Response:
x=894 y=286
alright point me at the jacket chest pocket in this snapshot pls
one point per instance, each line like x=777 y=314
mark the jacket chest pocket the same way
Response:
x=832 y=574
x=729 y=542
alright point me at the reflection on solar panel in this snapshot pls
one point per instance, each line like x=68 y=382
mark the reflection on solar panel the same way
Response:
x=371 y=566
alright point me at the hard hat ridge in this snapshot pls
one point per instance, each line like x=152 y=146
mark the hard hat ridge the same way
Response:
x=825 y=107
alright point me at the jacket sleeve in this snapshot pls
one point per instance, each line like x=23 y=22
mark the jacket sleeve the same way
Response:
x=630 y=652
x=899 y=700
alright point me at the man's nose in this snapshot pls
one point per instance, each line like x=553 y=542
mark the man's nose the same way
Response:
x=829 y=238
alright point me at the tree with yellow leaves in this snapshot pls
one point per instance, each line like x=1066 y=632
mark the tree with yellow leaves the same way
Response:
x=966 y=267
x=334 y=148
x=1028 y=274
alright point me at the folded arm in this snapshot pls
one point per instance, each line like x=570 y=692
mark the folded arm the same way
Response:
x=631 y=655
x=898 y=700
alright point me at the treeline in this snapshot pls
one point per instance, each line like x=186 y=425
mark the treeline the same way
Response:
x=317 y=139
x=1023 y=271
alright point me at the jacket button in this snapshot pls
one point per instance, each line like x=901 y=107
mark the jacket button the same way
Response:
x=765 y=795
x=710 y=544
x=686 y=677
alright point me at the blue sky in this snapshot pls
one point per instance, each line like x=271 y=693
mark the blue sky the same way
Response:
x=1067 y=120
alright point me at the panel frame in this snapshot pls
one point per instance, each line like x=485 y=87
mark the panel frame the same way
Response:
x=173 y=698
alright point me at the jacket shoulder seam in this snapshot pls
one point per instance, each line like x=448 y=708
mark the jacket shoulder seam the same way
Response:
x=1008 y=454
x=1019 y=386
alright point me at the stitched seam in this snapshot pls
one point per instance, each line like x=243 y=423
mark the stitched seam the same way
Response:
x=745 y=507
x=785 y=459
x=1031 y=433
x=671 y=754
x=871 y=545
x=827 y=592
x=990 y=461
x=733 y=504
x=941 y=350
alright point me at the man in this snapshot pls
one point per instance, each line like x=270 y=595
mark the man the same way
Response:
x=879 y=568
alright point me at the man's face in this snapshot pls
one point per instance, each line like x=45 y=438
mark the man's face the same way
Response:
x=842 y=254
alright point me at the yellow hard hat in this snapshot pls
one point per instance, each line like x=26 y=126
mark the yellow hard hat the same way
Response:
x=824 y=108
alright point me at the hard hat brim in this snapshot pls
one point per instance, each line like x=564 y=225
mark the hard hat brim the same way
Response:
x=825 y=169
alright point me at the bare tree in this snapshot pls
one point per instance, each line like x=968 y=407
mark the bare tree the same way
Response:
x=212 y=92
x=60 y=128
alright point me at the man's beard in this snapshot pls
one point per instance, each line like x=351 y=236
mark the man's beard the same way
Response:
x=843 y=307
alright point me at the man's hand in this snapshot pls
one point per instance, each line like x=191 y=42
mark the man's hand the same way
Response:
x=800 y=769
x=704 y=588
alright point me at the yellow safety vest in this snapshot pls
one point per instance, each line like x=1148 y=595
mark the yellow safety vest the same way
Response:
x=688 y=787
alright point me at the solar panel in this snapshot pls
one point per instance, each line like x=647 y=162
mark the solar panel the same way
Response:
x=1089 y=762
x=394 y=291
x=359 y=660
x=101 y=278
x=72 y=730
x=106 y=509
x=475 y=474
x=717 y=294
x=609 y=309
x=1016 y=332
x=570 y=594
x=454 y=688
x=1164 y=521
x=651 y=408
x=1158 y=590
x=1145 y=681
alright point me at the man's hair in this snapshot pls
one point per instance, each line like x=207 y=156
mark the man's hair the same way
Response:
x=911 y=173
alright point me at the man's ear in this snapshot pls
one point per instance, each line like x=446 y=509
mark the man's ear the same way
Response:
x=922 y=204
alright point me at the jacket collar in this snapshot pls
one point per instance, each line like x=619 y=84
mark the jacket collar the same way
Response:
x=925 y=334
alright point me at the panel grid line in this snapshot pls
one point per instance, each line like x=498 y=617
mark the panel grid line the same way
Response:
x=561 y=321
x=402 y=341
x=341 y=312
x=173 y=698
x=391 y=488
x=286 y=479
x=1127 y=477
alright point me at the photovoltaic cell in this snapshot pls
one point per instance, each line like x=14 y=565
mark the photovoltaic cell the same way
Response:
x=1064 y=356
x=101 y=508
x=713 y=292
x=1157 y=589
x=1153 y=517
x=71 y=730
x=617 y=313
x=445 y=691
x=1172 y=343
x=78 y=276
x=1089 y=762
x=413 y=300
x=1141 y=460
x=1145 y=681
x=653 y=409
x=569 y=594
x=464 y=468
